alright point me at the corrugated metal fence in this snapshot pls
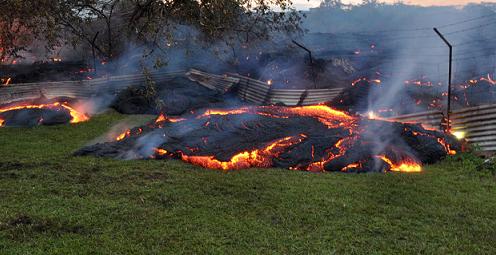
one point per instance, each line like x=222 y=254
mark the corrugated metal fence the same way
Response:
x=247 y=89
x=78 y=89
x=477 y=124
x=259 y=92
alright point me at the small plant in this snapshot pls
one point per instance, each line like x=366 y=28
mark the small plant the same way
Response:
x=150 y=92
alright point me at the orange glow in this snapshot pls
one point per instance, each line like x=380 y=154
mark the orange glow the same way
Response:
x=376 y=81
x=446 y=146
x=263 y=156
x=325 y=114
x=319 y=111
x=162 y=117
x=76 y=116
x=125 y=134
x=341 y=145
x=351 y=166
x=1 y=122
x=224 y=112
x=6 y=81
x=255 y=158
x=441 y=141
x=406 y=166
x=161 y=152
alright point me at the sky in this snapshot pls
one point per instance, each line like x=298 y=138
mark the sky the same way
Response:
x=306 y=4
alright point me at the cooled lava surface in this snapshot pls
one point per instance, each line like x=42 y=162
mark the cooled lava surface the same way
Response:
x=309 y=138
x=40 y=111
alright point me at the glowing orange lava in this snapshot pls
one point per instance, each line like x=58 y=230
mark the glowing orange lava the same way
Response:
x=406 y=166
x=255 y=158
x=224 y=112
x=76 y=116
x=351 y=166
x=162 y=117
x=125 y=134
x=341 y=145
x=376 y=81
x=161 y=152
x=263 y=156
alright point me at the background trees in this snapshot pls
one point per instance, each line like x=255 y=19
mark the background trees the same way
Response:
x=106 y=26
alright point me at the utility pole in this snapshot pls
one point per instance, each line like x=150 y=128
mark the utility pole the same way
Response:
x=93 y=49
x=311 y=61
x=448 y=112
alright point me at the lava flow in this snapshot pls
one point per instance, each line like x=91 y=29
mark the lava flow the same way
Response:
x=309 y=138
x=40 y=113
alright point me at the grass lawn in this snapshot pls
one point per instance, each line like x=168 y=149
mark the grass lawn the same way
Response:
x=53 y=203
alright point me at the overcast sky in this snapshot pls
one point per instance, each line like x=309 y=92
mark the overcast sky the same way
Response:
x=305 y=4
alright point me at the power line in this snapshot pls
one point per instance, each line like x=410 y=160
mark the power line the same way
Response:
x=476 y=57
x=474 y=42
x=420 y=29
x=468 y=20
x=470 y=28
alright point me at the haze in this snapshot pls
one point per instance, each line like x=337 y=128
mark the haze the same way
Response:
x=306 y=4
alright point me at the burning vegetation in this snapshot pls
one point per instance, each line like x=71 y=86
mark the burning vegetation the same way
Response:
x=309 y=138
x=40 y=112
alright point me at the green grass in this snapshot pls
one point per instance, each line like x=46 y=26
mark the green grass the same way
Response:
x=53 y=203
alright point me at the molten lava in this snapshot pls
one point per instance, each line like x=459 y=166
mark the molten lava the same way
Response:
x=314 y=138
x=76 y=116
x=126 y=133
x=406 y=166
x=255 y=158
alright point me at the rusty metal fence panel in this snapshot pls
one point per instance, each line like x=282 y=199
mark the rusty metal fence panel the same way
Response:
x=78 y=89
x=429 y=119
x=476 y=124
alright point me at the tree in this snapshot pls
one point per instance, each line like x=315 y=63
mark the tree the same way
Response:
x=332 y=4
x=21 y=24
x=105 y=25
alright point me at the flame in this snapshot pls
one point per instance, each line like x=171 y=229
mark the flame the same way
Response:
x=161 y=152
x=406 y=166
x=269 y=82
x=2 y=122
x=161 y=118
x=128 y=133
x=125 y=134
x=76 y=116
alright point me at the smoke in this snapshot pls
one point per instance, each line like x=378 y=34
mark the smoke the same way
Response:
x=397 y=45
x=145 y=146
